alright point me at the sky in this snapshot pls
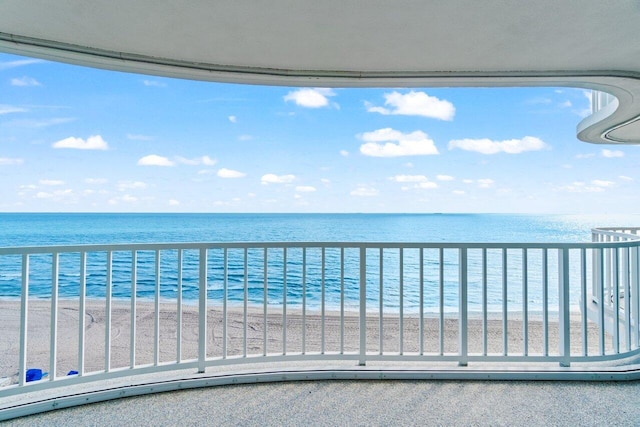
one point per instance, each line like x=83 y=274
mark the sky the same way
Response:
x=77 y=139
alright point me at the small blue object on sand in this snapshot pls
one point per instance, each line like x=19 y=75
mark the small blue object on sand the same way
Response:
x=34 y=374
x=72 y=373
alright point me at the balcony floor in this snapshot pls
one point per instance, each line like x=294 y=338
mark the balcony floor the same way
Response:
x=368 y=403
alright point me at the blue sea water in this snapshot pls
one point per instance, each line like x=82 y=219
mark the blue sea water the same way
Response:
x=35 y=229
x=74 y=229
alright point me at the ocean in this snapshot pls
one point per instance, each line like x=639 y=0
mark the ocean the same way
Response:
x=31 y=229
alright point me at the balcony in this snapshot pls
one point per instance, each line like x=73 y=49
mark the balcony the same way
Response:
x=105 y=321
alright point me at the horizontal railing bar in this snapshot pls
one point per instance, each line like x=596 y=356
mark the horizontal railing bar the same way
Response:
x=24 y=250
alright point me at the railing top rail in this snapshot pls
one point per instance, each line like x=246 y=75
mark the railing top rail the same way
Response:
x=627 y=233
x=630 y=241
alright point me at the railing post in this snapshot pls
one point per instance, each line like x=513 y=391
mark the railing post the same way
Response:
x=202 y=310
x=615 y=295
x=462 y=298
x=24 y=309
x=363 y=306
x=564 y=335
x=634 y=295
x=601 y=303
x=82 y=312
x=53 y=349
x=595 y=271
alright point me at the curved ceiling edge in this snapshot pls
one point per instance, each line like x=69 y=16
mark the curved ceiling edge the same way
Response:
x=601 y=127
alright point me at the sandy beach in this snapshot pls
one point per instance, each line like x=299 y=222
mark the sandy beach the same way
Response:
x=39 y=327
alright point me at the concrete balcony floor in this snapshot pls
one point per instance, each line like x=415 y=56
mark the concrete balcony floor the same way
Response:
x=449 y=403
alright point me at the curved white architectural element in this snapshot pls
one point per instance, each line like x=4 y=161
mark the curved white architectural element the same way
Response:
x=589 y=44
x=529 y=311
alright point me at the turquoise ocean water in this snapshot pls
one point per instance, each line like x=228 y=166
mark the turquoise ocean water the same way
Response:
x=75 y=229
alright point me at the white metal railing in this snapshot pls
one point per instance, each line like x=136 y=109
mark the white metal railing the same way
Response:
x=614 y=301
x=144 y=308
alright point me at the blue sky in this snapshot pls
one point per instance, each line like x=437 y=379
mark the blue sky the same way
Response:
x=76 y=139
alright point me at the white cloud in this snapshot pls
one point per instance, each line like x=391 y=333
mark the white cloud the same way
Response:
x=208 y=161
x=365 y=192
x=325 y=181
x=7 y=109
x=444 y=178
x=137 y=137
x=610 y=154
x=566 y=104
x=585 y=156
x=129 y=199
x=310 y=98
x=429 y=185
x=305 y=189
x=625 y=178
x=409 y=178
x=204 y=160
x=155 y=160
x=482 y=183
x=458 y=192
x=6 y=161
x=275 y=179
x=602 y=183
x=132 y=185
x=52 y=182
x=415 y=104
x=344 y=153
x=581 y=187
x=485 y=183
x=43 y=195
x=233 y=119
x=229 y=173
x=25 y=81
x=173 y=202
x=92 y=143
x=245 y=138
x=19 y=63
x=154 y=83
x=488 y=146
x=58 y=194
x=96 y=181
x=396 y=143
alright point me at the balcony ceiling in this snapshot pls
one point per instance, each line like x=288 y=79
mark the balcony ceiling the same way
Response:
x=348 y=43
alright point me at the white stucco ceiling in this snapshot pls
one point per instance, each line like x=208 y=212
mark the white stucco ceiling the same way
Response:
x=585 y=43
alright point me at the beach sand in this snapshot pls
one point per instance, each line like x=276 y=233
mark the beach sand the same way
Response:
x=39 y=330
